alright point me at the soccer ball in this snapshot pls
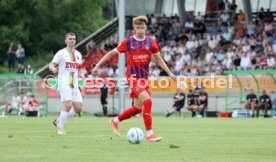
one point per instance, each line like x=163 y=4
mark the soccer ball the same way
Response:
x=135 y=135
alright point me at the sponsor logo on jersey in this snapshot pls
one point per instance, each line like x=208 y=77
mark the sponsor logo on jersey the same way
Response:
x=138 y=58
x=71 y=65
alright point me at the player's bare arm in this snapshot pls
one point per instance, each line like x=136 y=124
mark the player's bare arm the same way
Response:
x=53 y=67
x=163 y=65
x=106 y=57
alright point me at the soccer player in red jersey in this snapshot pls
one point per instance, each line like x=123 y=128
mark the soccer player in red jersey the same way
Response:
x=138 y=49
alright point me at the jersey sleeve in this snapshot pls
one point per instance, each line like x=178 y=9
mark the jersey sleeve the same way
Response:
x=80 y=60
x=56 y=58
x=121 y=48
x=155 y=47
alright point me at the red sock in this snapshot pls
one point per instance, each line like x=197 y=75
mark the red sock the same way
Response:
x=128 y=113
x=147 y=114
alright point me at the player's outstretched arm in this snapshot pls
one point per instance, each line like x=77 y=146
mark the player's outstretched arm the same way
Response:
x=164 y=66
x=53 y=68
x=106 y=57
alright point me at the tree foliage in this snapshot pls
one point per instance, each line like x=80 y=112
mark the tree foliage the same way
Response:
x=40 y=25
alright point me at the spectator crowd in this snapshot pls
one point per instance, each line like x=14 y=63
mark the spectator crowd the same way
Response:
x=201 y=47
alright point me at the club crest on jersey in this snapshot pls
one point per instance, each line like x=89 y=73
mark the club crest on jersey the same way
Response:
x=146 y=47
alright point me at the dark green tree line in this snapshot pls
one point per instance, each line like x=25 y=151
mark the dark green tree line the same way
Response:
x=40 y=25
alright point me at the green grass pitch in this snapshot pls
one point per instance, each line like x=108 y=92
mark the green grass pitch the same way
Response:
x=184 y=139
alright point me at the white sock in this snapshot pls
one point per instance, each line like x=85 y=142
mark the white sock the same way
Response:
x=116 y=119
x=62 y=118
x=72 y=113
x=149 y=132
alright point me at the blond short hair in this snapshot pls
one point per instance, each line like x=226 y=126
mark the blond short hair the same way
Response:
x=139 y=20
x=71 y=34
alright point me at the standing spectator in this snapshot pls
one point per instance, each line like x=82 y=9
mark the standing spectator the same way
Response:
x=104 y=94
x=268 y=15
x=221 y=5
x=29 y=70
x=234 y=7
x=261 y=14
x=11 y=56
x=20 y=53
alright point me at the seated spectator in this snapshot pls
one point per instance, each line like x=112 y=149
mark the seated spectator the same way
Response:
x=265 y=103
x=200 y=103
x=23 y=102
x=214 y=29
x=251 y=28
x=33 y=104
x=199 y=17
x=251 y=102
x=245 y=61
x=212 y=43
x=241 y=17
x=227 y=63
x=263 y=62
x=20 y=69
x=155 y=71
x=29 y=70
x=270 y=61
x=179 y=101
x=219 y=68
x=190 y=102
x=224 y=18
x=189 y=25
x=14 y=104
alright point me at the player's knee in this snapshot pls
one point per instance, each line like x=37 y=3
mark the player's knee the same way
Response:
x=147 y=102
x=147 y=106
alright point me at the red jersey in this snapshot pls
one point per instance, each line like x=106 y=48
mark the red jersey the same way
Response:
x=138 y=53
x=33 y=103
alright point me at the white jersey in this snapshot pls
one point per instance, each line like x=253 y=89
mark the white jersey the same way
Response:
x=68 y=65
x=15 y=101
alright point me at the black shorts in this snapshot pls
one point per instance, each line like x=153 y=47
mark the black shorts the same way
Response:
x=204 y=105
x=103 y=101
x=177 y=106
x=269 y=105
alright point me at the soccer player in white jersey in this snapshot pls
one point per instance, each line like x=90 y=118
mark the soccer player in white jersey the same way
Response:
x=66 y=63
